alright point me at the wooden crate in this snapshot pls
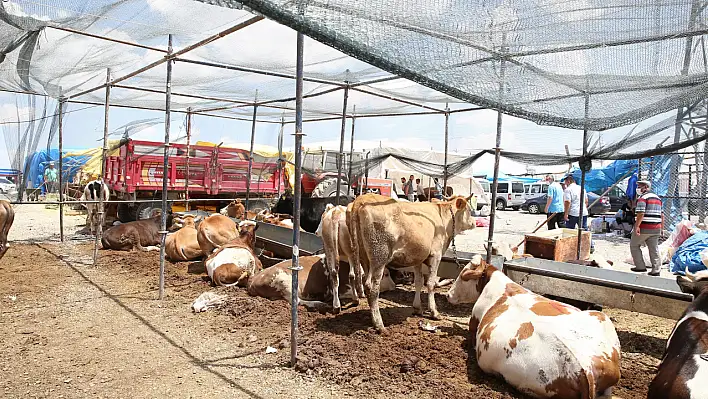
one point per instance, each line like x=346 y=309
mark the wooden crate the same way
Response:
x=560 y=245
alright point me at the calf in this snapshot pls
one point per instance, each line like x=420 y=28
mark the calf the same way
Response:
x=183 y=245
x=235 y=262
x=275 y=282
x=7 y=217
x=543 y=348
x=215 y=230
x=683 y=370
x=143 y=235
x=311 y=209
x=234 y=209
x=92 y=192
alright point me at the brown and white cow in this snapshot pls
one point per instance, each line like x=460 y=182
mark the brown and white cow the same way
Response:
x=543 y=348
x=683 y=371
x=7 y=217
x=92 y=192
x=143 y=235
x=235 y=209
x=275 y=282
x=404 y=234
x=234 y=262
x=215 y=230
x=183 y=245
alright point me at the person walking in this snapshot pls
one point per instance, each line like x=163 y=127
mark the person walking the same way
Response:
x=647 y=228
x=411 y=188
x=571 y=198
x=50 y=178
x=420 y=192
x=554 y=205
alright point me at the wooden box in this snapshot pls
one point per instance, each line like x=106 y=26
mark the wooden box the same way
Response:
x=560 y=245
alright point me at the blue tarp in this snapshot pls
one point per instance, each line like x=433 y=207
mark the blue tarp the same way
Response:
x=688 y=255
x=603 y=178
x=36 y=164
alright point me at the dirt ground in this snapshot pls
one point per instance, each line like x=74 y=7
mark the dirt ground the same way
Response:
x=71 y=330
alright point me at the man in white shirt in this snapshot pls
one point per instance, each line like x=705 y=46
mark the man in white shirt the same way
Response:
x=571 y=198
x=412 y=188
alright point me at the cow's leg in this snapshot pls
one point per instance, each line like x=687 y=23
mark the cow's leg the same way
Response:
x=374 y=281
x=418 y=279
x=432 y=281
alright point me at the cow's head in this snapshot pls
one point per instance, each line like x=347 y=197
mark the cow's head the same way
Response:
x=467 y=287
x=694 y=284
x=502 y=248
x=462 y=212
x=247 y=232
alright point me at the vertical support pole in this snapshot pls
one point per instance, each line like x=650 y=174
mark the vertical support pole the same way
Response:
x=296 y=199
x=340 y=155
x=189 y=155
x=62 y=104
x=582 y=174
x=351 y=151
x=281 y=170
x=447 y=121
x=366 y=173
x=250 y=154
x=166 y=152
x=99 y=230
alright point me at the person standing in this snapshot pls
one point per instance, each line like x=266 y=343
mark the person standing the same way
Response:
x=411 y=188
x=438 y=188
x=571 y=198
x=647 y=228
x=50 y=178
x=420 y=191
x=554 y=204
x=403 y=186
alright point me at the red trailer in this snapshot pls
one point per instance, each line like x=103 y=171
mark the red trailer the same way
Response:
x=214 y=172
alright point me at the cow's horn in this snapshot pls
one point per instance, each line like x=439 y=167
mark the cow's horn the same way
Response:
x=690 y=275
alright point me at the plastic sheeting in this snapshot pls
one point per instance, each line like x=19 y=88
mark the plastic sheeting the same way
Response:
x=688 y=255
x=39 y=161
x=605 y=177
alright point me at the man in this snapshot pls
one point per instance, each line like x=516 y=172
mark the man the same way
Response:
x=571 y=198
x=404 y=186
x=647 y=228
x=419 y=191
x=438 y=188
x=625 y=218
x=50 y=178
x=411 y=188
x=554 y=204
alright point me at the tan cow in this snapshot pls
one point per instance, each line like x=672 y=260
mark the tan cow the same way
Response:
x=275 y=282
x=543 y=348
x=235 y=209
x=404 y=234
x=7 y=217
x=234 y=262
x=183 y=245
x=215 y=230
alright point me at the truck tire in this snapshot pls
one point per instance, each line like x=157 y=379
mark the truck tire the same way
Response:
x=127 y=213
x=145 y=209
x=328 y=188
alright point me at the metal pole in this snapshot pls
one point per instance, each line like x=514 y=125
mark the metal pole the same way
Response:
x=62 y=104
x=351 y=151
x=296 y=199
x=582 y=174
x=281 y=171
x=447 y=120
x=340 y=156
x=189 y=150
x=250 y=154
x=166 y=152
x=366 y=173
x=99 y=230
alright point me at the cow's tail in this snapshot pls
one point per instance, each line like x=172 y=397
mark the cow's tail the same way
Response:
x=353 y=226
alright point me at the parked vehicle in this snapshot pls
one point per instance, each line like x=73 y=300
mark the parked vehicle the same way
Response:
x=532 y=190
x=6 y=186
x=617 y=198
x=510 y=193
x=538 y=204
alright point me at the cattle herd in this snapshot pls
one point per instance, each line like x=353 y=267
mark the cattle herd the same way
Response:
x=542 y=347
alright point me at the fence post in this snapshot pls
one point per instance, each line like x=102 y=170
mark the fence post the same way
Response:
x=99 y=228
x=166 y=152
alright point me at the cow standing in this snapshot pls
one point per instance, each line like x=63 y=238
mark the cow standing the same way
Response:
x=233 y=263
x=183 y=245
x=683 y=370
x=311 y=209
x=92 y=192
x=141 y=235
x=543 y=348
x=404 y=234
x=7 y=217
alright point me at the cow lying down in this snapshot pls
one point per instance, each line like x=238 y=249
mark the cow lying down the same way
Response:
x=235 y=262
x=275 y=282
x=142 y=235
x=541 y=347
x=183 y=245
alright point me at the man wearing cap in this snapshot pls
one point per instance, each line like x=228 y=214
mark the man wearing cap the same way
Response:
x=50 y=178
x=571 y=198
x=647 y=228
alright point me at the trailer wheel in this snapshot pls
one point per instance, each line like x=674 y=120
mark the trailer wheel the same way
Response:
x=328 y=188
x=146 y=209
x=127 y=213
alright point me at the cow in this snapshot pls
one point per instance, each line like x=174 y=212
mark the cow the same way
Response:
x=215 y=230
x=543 y=348
x=275 y=282
x=683 y=369
x=235 y=209
x=234 y=262
x=311 y=209
x=404 y=234
x=7 y=217
x=183 y=245
x=143 y=235
x=92 y=192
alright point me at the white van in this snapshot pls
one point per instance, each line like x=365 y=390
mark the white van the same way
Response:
x=533 y=190
x=510 y=193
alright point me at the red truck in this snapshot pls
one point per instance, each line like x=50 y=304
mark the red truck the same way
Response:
x=214 y=172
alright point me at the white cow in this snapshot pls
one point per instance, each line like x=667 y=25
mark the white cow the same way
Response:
x=92 y=192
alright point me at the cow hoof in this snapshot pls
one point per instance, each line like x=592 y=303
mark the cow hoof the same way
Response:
x=336 y=310
x=382 y=330
x=432 y=316
x=417 y=311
